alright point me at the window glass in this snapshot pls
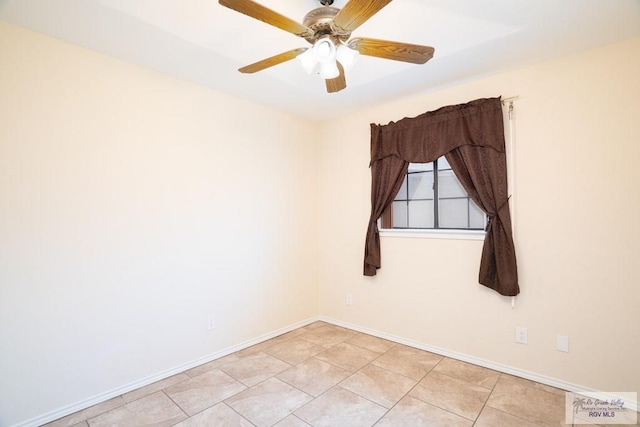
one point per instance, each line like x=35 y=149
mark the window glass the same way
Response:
x=400 y=214
x=454 y=213
x=420 y=214
x=476 y=217
x=431 y=197
x=449 y=186
x=402 y=193
x=420 y=185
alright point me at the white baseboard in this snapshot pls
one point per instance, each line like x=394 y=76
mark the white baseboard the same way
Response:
x=78 y=406
x=84 y=404
x=542 y=379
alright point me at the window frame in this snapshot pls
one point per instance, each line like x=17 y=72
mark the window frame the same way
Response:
x=431 y=233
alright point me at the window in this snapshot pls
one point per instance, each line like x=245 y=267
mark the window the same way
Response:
x=431 y=197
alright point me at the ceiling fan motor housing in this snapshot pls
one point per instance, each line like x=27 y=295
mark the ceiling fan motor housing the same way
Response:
x=320 y=22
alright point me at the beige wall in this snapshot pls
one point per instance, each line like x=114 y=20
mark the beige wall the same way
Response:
x=577 y=206
x=133 y=205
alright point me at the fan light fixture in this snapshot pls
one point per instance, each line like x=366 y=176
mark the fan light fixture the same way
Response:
x=328 y=30
x=346 y=56
x=323 y=55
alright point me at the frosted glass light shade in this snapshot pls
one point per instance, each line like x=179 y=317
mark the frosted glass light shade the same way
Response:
x=329 y=70
x=322 y=56
x=308 y=60
x=346 y=56
x=325 y=50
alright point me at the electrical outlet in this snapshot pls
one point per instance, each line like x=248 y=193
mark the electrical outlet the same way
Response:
x=348 y=299
x=211 y=322
x=521 y=335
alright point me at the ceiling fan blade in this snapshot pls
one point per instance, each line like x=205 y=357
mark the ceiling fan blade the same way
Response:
x=337 y=84
x=271 y=61
x=264 y=14
x=356 y=12
x=397 y=51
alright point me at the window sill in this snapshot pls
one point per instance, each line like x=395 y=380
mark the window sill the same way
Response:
x=435 y=234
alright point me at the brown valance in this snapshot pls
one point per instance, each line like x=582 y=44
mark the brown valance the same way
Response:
x=471 y=137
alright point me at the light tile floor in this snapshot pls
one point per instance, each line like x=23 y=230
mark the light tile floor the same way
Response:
x=324 y=375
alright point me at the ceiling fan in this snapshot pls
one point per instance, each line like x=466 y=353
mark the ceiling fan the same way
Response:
x=328 y=30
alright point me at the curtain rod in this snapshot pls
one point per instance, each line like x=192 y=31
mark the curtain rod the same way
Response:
x=509 y=99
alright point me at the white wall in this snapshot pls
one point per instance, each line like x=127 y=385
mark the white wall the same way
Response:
x=132 y=205
x=577 y=215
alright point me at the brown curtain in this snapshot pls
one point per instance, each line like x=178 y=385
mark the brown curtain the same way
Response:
x=472 y=138
x=388 y=177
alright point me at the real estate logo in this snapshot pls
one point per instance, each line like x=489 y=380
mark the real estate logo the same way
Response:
x=600 y=408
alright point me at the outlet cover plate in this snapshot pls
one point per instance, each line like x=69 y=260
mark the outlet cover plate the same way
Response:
x=562 y=343
x=521 y=335
x=211 y=322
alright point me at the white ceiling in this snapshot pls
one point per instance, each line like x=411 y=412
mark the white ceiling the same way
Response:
x=201 y=41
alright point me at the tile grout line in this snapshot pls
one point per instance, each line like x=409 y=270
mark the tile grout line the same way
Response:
x=332 y=329
x=388 y=410
x=175 y=403
x=339 y=383
x=239 y=414
x=404 y=395
x=504 y=412
x=484 y=405
x=431 y=403
x=275 y=375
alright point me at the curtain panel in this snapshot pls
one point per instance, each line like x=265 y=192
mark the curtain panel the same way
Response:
x=471 y=136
